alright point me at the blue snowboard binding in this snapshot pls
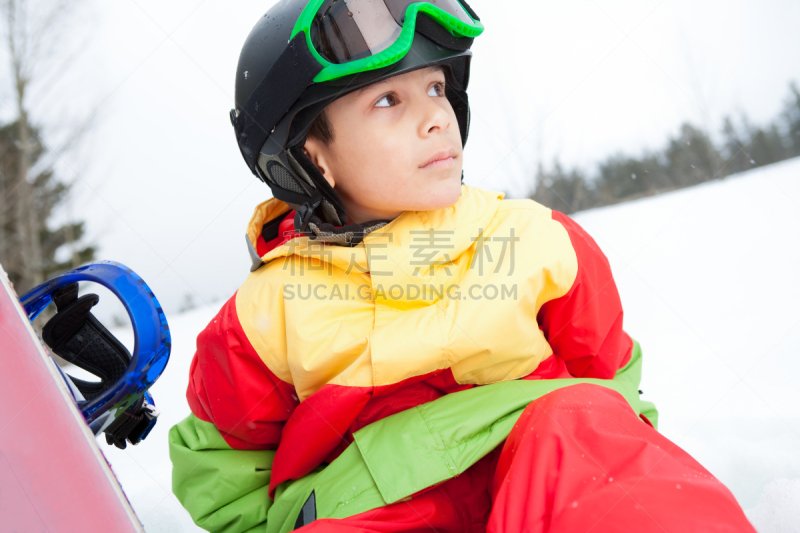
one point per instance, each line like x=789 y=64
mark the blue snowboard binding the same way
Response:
x=119 y=405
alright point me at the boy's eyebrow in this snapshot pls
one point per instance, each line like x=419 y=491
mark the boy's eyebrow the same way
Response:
x=375 y=84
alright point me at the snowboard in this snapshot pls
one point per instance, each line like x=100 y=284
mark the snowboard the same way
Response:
x=53 y=476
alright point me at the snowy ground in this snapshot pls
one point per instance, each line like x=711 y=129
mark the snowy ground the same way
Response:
x=710 y=284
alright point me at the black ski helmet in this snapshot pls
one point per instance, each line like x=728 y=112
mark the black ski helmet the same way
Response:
x=277 y=101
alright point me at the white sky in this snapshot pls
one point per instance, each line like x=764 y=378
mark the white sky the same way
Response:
x=163 y=187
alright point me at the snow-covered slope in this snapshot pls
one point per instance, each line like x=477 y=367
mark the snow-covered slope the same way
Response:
x=710 y=284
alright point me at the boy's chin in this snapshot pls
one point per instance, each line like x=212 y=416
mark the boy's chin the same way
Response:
x=443 y=196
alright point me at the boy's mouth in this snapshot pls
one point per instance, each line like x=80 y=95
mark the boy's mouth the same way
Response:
x=441 y=159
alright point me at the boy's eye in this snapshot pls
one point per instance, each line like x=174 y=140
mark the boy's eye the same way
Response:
x=387 y=100
x=437 y=89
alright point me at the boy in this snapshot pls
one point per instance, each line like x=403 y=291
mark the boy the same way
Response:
x=410 y=353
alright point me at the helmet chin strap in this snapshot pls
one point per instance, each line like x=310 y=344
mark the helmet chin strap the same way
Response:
x=303 y=214
x=316 y=218
x=322 y=216
x=329 y=206
x=347 y=235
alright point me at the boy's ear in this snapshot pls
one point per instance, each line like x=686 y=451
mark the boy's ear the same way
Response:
x=316 y=151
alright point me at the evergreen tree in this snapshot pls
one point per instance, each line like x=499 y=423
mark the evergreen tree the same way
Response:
x=563 y=191
x=688 y=159
x=691 y=158
x=736 y=148
x=791 y=115
x=767 y=146
x=626 y=177
x=46 y=193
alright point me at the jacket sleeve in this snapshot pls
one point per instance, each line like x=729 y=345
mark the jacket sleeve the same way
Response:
x=232 y=388
x=584 y=327
x=222 y=453
x=223 y=489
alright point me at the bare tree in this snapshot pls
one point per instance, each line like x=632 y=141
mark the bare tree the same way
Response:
x=30 y=191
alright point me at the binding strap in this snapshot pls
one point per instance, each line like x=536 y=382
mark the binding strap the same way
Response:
x=75 y=335
x=133 y=424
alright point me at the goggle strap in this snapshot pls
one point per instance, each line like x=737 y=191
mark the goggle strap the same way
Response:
x=289 y=76
x=437 y=33
x=469 y=10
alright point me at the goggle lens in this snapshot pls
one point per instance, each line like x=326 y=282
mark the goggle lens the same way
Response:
x=348 y=30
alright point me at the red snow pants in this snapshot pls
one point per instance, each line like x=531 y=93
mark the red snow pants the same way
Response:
x=577 y=460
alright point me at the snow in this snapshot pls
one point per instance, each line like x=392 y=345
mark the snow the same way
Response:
x=778 y=508
x=710 y=282
x=145 y=471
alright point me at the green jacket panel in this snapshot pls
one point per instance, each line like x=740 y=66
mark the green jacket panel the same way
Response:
x=226 y=490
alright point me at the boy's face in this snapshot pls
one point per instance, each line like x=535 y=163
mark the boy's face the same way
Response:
x=396 y=147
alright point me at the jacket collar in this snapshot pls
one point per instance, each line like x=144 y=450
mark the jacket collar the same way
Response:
x=398 y=246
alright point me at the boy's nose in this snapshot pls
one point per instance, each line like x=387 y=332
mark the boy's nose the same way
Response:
x=434 y=119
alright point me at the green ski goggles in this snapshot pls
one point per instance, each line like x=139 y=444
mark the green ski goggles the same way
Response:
x=351 y=36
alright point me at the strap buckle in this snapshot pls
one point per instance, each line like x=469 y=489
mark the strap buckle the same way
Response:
x=303 y=215
x=133 y=425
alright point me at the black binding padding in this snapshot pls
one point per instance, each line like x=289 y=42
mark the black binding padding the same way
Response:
x=75 y=335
